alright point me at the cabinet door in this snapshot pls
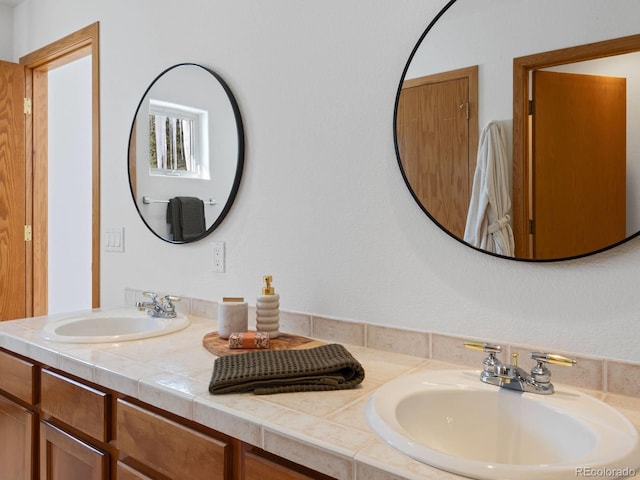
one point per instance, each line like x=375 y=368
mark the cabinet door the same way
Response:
x=64 y=457
x=16 y=441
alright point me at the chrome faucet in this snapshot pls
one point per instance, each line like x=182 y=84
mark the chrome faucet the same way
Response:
x=162 y=307
x=494 y=372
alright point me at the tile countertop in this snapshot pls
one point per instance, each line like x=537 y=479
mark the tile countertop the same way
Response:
x=326 y=431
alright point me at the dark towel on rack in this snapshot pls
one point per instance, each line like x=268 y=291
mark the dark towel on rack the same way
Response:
x=173 y=218
x=185 y=216
x=328 y=367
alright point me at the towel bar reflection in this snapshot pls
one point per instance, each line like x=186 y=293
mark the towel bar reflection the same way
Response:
x=147 y=200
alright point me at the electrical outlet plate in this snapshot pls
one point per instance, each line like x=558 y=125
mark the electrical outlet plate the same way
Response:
x=218 y=257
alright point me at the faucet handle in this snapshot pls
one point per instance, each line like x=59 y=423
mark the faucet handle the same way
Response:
x=540 y=373
x=491 y=365
x=483 y=347
x=153 y=296
x=168 y=301
x=553 y=359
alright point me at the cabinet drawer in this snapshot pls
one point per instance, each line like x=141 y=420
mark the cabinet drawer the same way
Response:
x=125 y=472
x=258 y=468
x=170 y=448
x=76 y=404
x=260 y=465
x=18 y=377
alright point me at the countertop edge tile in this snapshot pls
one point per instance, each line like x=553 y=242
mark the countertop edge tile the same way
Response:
x=227 y=422
x=310 y=454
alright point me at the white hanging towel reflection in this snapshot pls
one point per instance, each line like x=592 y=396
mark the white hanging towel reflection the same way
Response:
x=488 y=222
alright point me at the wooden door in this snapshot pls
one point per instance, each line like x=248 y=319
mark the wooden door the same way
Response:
x=437 y=136
x=12 y=192
x=16 y=440
x=579 y=163
x=64 y=457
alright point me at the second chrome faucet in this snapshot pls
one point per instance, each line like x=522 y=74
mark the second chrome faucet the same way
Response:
x=162 y=307
x=510 y=376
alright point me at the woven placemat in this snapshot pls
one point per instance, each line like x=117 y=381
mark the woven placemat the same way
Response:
x=219 y=346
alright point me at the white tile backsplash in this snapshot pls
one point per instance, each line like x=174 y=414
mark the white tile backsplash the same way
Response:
x=590 y=373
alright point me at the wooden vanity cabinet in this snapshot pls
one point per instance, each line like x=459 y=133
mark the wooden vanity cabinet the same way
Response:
x=75 y=429
x=57 y=427
x=18 y=396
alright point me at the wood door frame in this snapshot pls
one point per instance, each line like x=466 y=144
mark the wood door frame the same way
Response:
x=68 y=49
x=522 y=66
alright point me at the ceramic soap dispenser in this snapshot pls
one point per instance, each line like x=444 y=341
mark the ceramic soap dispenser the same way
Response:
x=268 y=310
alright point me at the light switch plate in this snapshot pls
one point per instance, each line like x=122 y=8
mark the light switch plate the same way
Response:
x=114 y=239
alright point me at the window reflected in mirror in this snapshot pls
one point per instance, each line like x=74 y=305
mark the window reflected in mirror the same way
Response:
x=177 y=145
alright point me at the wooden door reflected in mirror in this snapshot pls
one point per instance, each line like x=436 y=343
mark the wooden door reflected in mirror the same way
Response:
x=437 y=138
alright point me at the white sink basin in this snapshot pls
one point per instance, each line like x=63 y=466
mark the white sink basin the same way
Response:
x=449 y=419
x=112 y=326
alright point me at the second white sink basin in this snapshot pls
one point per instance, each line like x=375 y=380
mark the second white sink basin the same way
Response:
x=449 y=419
x=111 y=326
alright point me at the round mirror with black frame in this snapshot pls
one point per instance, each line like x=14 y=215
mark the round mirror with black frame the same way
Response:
x=186 y=153
x=514 y=125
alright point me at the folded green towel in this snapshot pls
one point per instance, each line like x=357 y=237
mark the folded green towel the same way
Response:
x=328 y=367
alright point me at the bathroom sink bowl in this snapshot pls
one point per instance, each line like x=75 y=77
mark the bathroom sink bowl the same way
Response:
x=112 y=326
x=450 y=420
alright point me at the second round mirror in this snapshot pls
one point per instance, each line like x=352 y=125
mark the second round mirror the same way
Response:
x=477 y=86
